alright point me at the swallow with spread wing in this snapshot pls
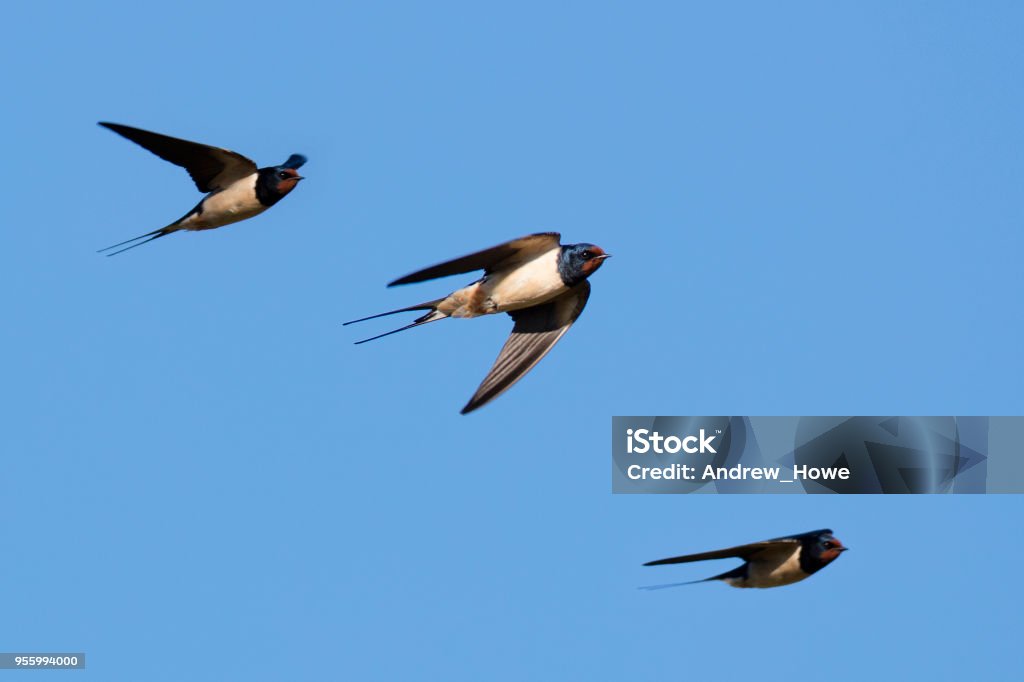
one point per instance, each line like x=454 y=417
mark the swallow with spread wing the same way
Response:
x=540 y=283
x=235 y=188
x=771 y=563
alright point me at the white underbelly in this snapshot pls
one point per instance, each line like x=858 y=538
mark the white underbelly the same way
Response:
x=528 y=285
x=236 y=202
x=776 y=574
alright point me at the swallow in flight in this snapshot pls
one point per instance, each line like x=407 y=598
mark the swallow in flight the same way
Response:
x=770 y=563
x=235 y=188
x=540 y=283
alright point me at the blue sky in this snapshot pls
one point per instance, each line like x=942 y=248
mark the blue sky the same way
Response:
x=813 y=209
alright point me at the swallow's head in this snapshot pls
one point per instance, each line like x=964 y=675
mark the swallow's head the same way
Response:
x=287 y=174
x=276 y=181
x=285 y=180
x=827 y=547
x=579 y=261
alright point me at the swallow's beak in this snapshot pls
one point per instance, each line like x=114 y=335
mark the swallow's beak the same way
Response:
x=300 y=177
x=603 y=256
x=842 y=549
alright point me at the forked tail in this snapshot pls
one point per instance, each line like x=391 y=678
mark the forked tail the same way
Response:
x=432 y=315
x=155 y=234
x=666 y=585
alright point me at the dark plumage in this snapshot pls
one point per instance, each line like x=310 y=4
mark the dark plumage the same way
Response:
x=236 y=189
x=576 y=262
x=541 y=284
x=770 y=563
x=273 y=182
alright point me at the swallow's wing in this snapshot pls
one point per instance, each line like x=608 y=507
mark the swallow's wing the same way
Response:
x=211 y=168
x=755 y=551
x=535 y=332
x=497 y=257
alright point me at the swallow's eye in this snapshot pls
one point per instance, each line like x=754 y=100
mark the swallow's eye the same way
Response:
x=829 y=544
x=587 y=255
x=282 y=175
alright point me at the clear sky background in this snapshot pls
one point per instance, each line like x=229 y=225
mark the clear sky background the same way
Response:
x=813 y=210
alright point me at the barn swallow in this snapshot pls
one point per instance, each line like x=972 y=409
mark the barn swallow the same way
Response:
x=235 y=189
x=540 y=283
x=771 y=563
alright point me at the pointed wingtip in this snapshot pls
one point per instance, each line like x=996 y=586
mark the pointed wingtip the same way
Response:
x=295 y=161
x=475 y=403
